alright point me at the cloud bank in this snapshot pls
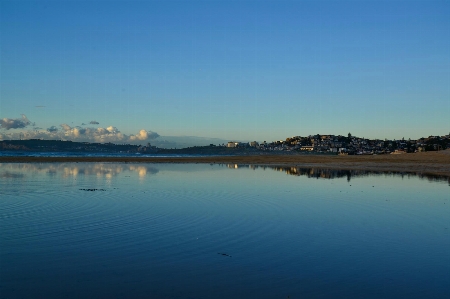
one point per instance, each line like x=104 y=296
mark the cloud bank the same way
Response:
x=97 y=134
x=67 y=132
x=14 y=123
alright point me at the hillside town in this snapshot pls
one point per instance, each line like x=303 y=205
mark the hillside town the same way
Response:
x=349 y=145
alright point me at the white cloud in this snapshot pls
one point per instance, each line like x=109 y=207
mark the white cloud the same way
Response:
x=144 y=135
x=66 y=127
x=112 y=129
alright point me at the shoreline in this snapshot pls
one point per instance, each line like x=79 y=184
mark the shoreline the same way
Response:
x=436 y=163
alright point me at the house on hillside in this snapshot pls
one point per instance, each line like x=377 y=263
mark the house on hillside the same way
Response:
x=307 y=148
x=232 y=144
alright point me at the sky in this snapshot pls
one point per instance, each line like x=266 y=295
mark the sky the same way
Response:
x=136 y=71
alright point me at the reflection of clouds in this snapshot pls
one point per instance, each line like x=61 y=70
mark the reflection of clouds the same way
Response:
x=111 y=170
x=70 y=171
x=101 y=170
x=142 y=170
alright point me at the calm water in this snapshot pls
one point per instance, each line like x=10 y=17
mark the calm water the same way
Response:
x=216 y=231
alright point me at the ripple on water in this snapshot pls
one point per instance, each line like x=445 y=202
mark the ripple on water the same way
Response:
x=144 y=235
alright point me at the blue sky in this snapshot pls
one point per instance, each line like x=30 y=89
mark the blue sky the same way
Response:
x=257 y=70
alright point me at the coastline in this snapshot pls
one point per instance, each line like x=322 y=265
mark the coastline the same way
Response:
x=437 y=163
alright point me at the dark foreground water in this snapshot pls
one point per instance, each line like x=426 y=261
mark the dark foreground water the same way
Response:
x=213 y=231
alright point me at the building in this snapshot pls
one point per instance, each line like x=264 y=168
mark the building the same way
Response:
x=232 y=144
x=307 y=148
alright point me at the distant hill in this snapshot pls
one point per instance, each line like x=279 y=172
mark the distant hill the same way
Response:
x=168 y=142
x=66 y=146
x=185 y=141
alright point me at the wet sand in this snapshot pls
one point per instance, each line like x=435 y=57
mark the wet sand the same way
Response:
x=437 y=163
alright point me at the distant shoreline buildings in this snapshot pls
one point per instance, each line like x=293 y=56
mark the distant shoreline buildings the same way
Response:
x=350 y=145
x=331 y=144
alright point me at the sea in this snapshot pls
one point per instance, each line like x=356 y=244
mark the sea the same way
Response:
x=125 y=230
x=84 y=154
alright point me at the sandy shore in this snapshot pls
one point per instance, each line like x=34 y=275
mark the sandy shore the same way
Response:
x=437 y=163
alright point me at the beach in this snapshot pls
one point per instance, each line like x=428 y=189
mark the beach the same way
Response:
x=437 y=163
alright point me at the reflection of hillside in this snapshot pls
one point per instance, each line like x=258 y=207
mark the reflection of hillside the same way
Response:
x=110 y=170
x=337 y=173
x=73 y=170
x=11 y=175
x=318 y=173
x=349 y=174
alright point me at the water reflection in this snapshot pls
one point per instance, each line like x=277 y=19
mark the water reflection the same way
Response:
x=324 y=173
x=110 y=170
x=11 y=175
x=247 y=232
